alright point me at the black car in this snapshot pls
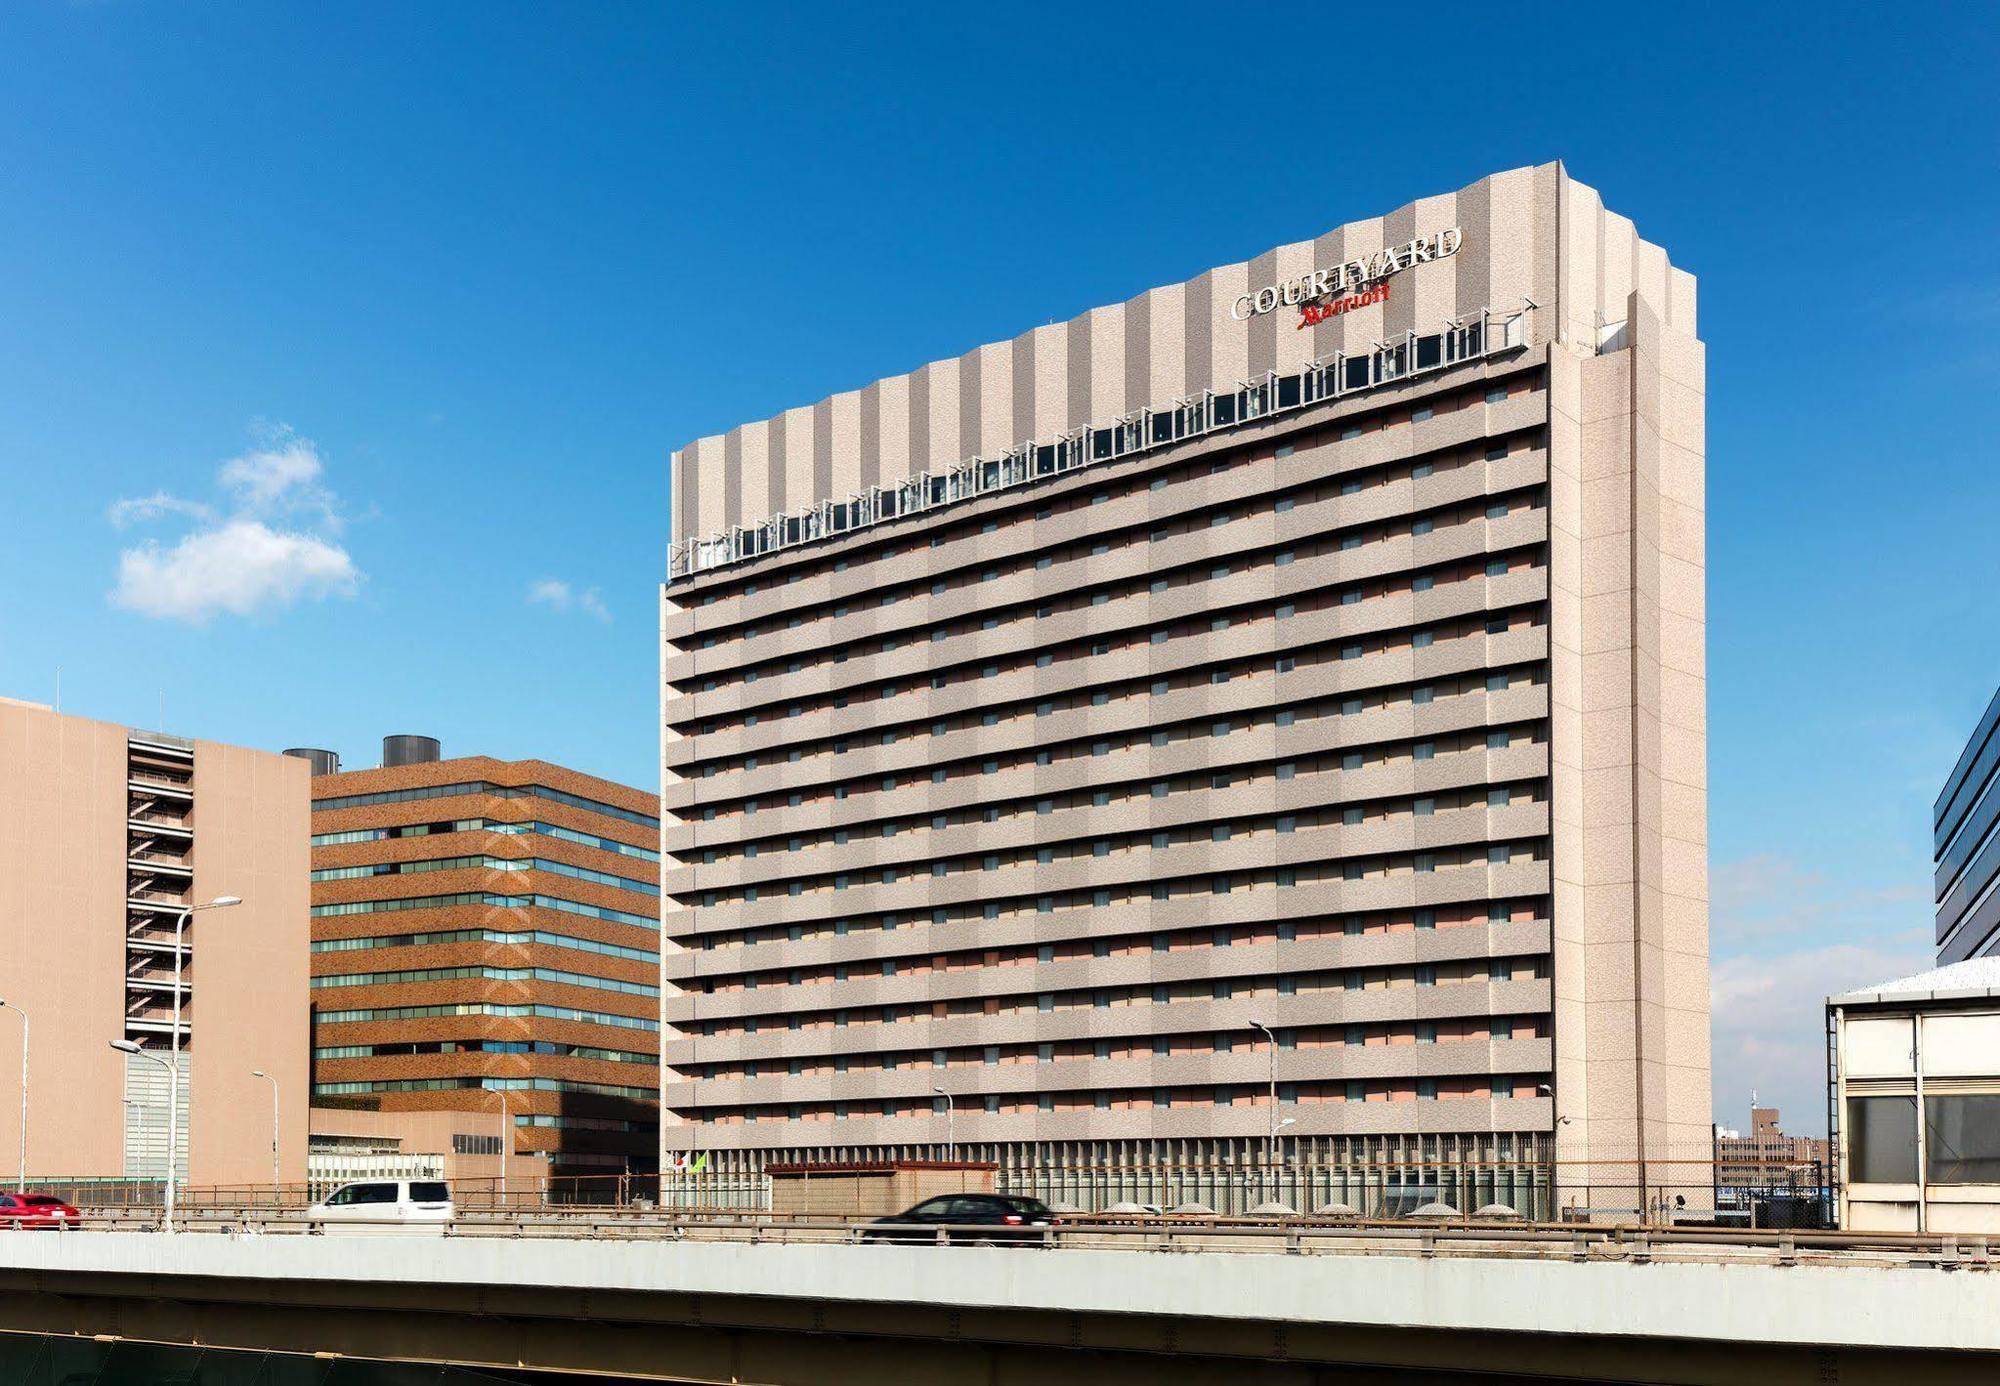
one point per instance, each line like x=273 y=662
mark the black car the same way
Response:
x=973 y=1219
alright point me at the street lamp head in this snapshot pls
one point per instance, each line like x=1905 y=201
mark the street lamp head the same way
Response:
x=1288 y=1121
x=258 y=1073
x=125 y=1046
x=223 y=902
x=1544 y=1090
x=939 y=1091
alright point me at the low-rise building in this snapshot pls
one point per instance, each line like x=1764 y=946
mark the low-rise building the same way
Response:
x=1914 y=1077
x=116 y=846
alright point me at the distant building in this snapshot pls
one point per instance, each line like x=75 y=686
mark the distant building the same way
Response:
x=1766 y=1163
x=1966 y=848
x=484 y=932
x=1914 y=1074
x=108 y=836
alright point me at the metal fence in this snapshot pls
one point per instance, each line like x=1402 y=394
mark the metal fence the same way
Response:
x=1735 y=1194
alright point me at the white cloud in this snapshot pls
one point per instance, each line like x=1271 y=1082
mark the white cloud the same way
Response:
x=558 y=595
x=138 y=510
x=280 y=478
x=1768 y=1022
x=1782 y=940
x=241 y=567
x=269 y=550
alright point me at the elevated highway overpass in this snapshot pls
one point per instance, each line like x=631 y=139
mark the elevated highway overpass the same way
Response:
x=804 y=1304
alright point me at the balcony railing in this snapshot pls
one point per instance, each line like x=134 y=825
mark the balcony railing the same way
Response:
x=1471 y=338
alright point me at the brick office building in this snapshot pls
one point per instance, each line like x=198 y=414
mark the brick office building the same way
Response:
x=486 y=932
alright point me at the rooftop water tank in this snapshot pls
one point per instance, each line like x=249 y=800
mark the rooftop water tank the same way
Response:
x=410 y=750
x=323 y=762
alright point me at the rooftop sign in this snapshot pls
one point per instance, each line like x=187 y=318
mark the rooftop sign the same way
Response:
x=1349 y=284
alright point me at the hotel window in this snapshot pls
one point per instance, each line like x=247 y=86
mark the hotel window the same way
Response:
x=1424 y=808
x=1427 y=1087
x=1496 y=394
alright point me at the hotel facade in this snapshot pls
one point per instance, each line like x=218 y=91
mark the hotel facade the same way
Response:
x=1264 y=715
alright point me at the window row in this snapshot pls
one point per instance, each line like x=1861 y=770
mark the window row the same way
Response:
x=490 y=825
x=1455 y=806
x=483 y=863
x=1350 y=980
x=491 y=974
x=1356 y=925
x=1476 y=1029
x=1480 y=1088
x=1163 y=575
x=475 y=1046
x=1363 y=866
x=487 y=788
x=1353 y=812
x=508 y=902
x=512 y=938
x=1301 y=441
x=490 y=1084
x=1145 y=942
x=538 y=1011
x=1258 y=610
x=1468 y=642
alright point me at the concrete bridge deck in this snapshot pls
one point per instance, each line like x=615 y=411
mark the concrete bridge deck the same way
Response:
x=702 y=1308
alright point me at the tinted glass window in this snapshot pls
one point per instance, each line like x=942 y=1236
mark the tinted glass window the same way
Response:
x=42 y=1201
x=341 y=1198
x=374 y=1193
x=430 y=1192
x=1027 y=1207
x=7 y=1201
x=1962 y=1139
x=930 y=1207
x=1882 y=1140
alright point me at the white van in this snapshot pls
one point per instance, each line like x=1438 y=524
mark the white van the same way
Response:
x=384 y=1205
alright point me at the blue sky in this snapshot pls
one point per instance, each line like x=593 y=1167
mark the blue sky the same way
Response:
x=381 y=321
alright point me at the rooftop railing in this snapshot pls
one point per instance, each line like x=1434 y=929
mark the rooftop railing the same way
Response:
x=1457 y=342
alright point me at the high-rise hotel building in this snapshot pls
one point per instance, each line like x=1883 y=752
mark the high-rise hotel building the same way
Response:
x=1294 y=675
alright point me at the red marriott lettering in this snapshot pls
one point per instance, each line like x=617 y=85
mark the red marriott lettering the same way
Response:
x=1310 y=313
x=1353 y=278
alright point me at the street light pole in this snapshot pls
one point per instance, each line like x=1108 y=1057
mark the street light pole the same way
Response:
x=220 y=902
x=260 y=1073
x=21 y=1177
x=950 y=1125
x=505 y=1123
x=125 y=1046
x=1271 y=1140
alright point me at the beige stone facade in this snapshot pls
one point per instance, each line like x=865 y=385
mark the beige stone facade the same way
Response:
x=106 y=834
x=1060 y=726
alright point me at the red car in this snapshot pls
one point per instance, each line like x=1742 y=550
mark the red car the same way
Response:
x=37 y=1210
